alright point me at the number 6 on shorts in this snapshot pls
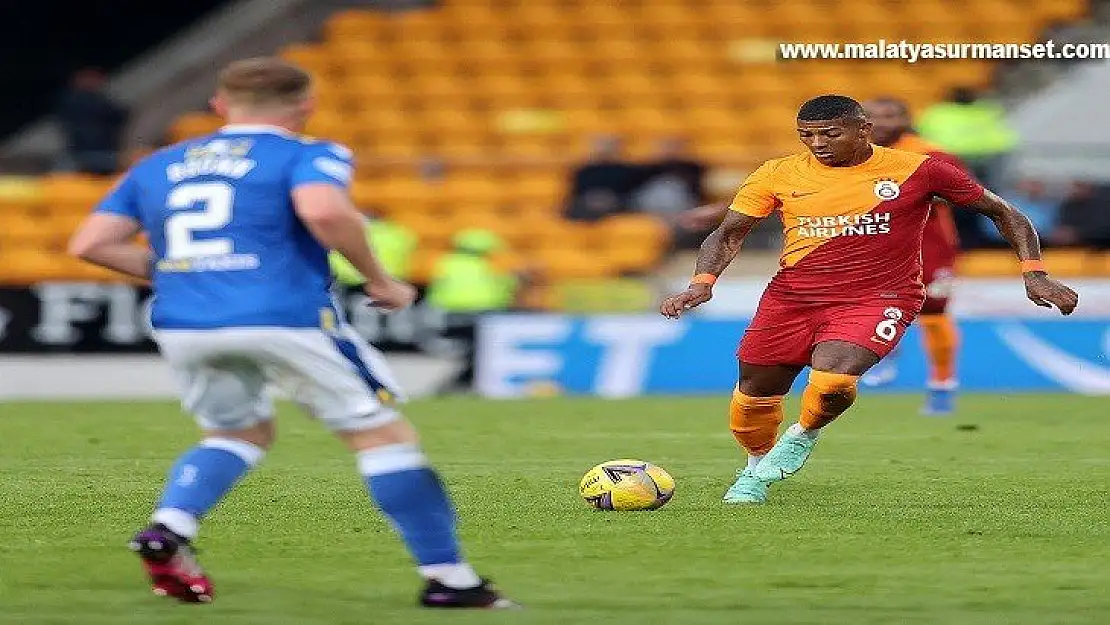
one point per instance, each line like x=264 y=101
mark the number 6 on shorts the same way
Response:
x=887 y=329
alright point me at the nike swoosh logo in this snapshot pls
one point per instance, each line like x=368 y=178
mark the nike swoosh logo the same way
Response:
x=801 y=193
x=1071 y=372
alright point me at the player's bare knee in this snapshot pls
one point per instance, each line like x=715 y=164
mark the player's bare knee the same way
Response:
x=261 y=434
x=843 y=357
x=394 y=431
x=757 y=381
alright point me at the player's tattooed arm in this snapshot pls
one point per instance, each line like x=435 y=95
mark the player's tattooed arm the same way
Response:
x=1019 y=232
x=721 y=246
x=717 y=251
x=1014 y=226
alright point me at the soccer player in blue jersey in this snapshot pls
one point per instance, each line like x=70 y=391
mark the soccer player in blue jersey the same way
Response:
x=240 y=224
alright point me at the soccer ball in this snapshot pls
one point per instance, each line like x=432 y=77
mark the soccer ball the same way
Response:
x=626 y=485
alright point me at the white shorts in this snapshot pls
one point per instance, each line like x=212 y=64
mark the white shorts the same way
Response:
x=227 y=375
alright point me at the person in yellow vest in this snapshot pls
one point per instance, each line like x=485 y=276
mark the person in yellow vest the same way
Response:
x=466 y=280
x=973 y=128
x=465 y=283
x=393 y=243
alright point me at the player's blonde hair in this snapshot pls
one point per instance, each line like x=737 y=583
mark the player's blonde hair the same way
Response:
x=264 y=82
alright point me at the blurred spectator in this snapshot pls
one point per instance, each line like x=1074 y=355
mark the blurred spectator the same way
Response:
x=466 y=280
x=394 y=245
x=1033 y=198
x=602 y=186
x=1085 y=217
x=92 y=124
x=973 y=128
x=673 y=183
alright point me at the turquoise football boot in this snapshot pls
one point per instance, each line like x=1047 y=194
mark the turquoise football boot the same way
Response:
x=785 y=458
x=746 y=489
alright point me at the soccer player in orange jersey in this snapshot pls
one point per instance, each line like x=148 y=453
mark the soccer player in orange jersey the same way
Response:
x=892 y=127
x=850 y=277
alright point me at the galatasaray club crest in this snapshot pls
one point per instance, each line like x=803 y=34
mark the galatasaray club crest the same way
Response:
x=886 y=189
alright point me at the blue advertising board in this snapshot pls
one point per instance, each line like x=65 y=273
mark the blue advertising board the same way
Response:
x=626 y=356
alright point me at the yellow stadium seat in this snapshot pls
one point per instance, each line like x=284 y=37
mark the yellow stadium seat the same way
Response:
x=403 y=195
x=192 y=125
x=572 y=264
x=478 y=19
x=73 y=190
x=314 y=59
x=537 y=189
x=356 y=56
x=1070 y=263
x=986 y=263
x=616 y=51
x=22 y=266
x=633 y=259
x=553 y=53
x=474 y=190
x=333 y=126
x=441 y=89
x=541 y=229
x=433 y=232
x=668 y=15
x=637 y=229
x=422 y=50
x=416 y=23
x=369 y=93
x=448 y=119
x=466 y=151
x=353 y=25
x=22 y=230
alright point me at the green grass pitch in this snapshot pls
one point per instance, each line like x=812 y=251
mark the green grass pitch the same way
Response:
x=998 y=515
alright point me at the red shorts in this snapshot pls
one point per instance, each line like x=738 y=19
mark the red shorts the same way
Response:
x=938 y=276
x=785 y=333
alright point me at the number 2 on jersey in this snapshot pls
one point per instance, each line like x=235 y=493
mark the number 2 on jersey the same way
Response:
x=214 y=199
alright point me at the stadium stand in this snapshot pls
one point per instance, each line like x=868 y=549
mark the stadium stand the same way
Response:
x=510 y=91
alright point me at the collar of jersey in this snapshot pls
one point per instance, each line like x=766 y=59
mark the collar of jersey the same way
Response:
x=876 y=156
x=250 y=129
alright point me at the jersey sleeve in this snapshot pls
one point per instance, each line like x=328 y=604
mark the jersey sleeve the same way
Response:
x=122 y=200
x=327 y=163
x=951 y=183
x=756 y=196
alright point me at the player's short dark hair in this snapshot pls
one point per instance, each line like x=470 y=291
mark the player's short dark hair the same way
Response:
x=827 y=107
x=264 y=81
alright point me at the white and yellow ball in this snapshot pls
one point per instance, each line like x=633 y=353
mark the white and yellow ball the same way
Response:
x=626 y=485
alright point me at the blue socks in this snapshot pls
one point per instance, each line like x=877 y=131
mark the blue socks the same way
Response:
x=405 y=488
x=413 y=498
x=200 y=478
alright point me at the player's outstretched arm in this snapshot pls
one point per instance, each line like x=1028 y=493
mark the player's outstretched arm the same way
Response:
x=330 y=216
x=107 y=240
x=717 y=251
x=703 y=217
x=1019 y=232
